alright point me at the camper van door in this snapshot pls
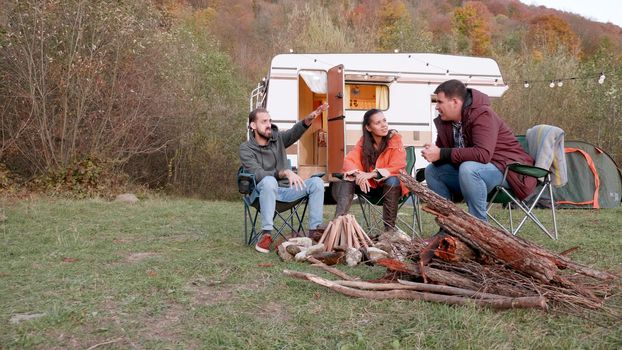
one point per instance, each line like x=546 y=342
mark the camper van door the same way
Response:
x=336 y=139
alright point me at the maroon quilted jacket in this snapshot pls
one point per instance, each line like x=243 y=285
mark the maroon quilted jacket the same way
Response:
x=487 y=139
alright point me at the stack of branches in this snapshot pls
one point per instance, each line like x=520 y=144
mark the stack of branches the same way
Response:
x=345 y=232
x=403 y=289
x=470 y=253
x=470 y=261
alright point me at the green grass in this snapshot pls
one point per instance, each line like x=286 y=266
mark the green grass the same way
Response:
x=174 y=273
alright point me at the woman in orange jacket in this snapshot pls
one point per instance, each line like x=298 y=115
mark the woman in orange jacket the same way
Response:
x=371 y=168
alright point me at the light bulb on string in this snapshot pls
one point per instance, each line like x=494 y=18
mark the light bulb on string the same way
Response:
x=560 y=83
x=526 y=85
x=601 y=79
x=552 y=84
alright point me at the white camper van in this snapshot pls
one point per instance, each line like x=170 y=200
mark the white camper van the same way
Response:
x=400 y=84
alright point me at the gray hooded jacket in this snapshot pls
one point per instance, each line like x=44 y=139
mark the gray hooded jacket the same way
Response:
x=268 y=160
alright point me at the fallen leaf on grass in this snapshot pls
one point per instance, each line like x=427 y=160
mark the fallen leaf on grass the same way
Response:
x=265 y=264
x=151 y=273
x=70 y=260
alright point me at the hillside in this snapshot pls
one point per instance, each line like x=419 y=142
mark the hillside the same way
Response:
x=156 y=94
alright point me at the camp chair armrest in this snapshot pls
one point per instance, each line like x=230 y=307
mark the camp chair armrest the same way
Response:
x=246 y=181
x=528 y=170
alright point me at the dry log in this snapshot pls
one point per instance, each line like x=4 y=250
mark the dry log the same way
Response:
x=520 y=254
x=421 y=287
x=331 y=258
x=362 y=233
x=364 y=240
x=330 y=240
x=349 y=239
x=326 y=231
x=433 y=275
x=505 y=303
x=344 y=231
x=330 y=269
x=453 y=250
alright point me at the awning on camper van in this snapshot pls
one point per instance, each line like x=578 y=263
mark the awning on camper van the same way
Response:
x=315 y=80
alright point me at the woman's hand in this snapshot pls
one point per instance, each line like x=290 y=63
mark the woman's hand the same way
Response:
x=362 y=180
x=350 y=175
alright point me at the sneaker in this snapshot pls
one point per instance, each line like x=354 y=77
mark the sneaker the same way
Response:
x=263 y=246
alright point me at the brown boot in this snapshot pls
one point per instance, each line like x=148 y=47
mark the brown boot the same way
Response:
x=343 y=192
x=316 y=234
x=391 y=198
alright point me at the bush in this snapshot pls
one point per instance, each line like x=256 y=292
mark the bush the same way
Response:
x=119 y=84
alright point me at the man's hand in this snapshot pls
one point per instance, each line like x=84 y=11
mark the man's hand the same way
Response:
x=295 y=181
x=311 y=117
x=431 y=152
x=362 y=180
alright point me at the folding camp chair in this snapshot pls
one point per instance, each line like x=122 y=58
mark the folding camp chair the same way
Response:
x=506 y=196
x=373 y=215
x=288 y=213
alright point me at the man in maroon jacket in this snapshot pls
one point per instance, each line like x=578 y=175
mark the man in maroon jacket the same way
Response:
x=472 y=149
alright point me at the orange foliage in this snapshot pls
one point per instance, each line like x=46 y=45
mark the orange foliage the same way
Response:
x=472 y=20
x=548 y=33
x=393 y=10
x=516 y=10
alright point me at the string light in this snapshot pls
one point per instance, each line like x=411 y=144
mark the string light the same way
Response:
x=559 y=82
x=526 y=83
x=495 y=81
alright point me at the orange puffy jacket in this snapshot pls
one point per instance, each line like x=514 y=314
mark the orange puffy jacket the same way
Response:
x=393 y=159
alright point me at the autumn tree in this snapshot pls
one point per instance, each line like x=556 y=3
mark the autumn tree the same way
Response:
x=471 y=23
x=395 y=25
x=311 y=29
x=549 y=33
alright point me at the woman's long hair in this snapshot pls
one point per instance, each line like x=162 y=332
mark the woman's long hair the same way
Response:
x=370 y=153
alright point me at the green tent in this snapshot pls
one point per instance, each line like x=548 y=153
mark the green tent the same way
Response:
x=594 y=179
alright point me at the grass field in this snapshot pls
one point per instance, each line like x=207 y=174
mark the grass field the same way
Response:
x=174 y=274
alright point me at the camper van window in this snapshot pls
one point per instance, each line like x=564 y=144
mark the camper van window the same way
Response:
x=366 y=96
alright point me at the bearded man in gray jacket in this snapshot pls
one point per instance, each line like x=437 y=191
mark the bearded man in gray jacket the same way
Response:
x=264 y=156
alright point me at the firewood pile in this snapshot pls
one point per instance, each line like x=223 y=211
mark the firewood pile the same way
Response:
x=344 y=231
x=470 y=261
x=343 y=242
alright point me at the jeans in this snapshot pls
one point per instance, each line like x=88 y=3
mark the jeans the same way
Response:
x=472 y=180
x=269 y=192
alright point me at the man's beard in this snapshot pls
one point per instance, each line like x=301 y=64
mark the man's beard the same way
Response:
x=266 y=134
